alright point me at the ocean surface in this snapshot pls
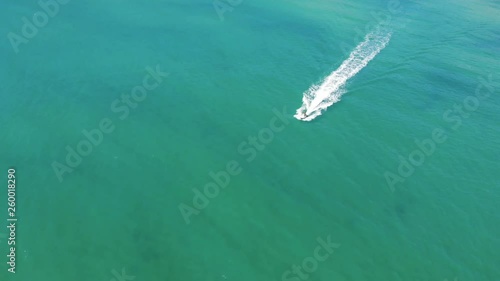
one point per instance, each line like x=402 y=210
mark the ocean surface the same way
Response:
x=124 y=172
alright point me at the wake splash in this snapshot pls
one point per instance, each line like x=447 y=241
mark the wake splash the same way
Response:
x=320 y=96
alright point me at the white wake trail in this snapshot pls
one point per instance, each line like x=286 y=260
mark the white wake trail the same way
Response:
x=318 y=97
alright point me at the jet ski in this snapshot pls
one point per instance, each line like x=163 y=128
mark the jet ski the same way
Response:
x=303 y=115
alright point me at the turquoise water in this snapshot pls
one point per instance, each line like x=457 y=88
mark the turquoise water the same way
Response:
x=336 y=176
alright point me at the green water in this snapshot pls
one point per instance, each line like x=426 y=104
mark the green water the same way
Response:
x=119 y=207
